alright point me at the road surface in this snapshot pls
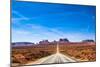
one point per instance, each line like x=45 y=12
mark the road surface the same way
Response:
x=55 y=58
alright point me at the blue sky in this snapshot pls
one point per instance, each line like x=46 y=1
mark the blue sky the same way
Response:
x=33 y=22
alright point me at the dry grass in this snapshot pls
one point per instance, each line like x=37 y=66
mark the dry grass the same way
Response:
x=82 y=51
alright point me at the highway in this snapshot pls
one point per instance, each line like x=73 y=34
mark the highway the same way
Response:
x=54 y=58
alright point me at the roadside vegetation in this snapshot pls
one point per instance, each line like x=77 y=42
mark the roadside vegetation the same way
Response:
x=22 y=55
x=25 y=54
x=83 y=52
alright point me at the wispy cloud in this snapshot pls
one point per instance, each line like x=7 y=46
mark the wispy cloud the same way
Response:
x=36 y=28
x=19 y=17
x=39 y=32
x=18 y=14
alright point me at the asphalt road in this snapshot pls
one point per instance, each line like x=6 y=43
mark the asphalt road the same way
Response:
x=54 y=58
x=57 y=58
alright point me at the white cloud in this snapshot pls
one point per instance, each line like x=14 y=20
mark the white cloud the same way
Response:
x=38 y=32
x=18 y=17
x=18 y=14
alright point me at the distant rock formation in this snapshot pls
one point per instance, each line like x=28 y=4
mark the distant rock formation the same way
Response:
x=44 y=42
x=63 y=40
x=22 y=44
x=88 y=40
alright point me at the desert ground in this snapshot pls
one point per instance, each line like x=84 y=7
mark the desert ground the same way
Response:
x=53 y=53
